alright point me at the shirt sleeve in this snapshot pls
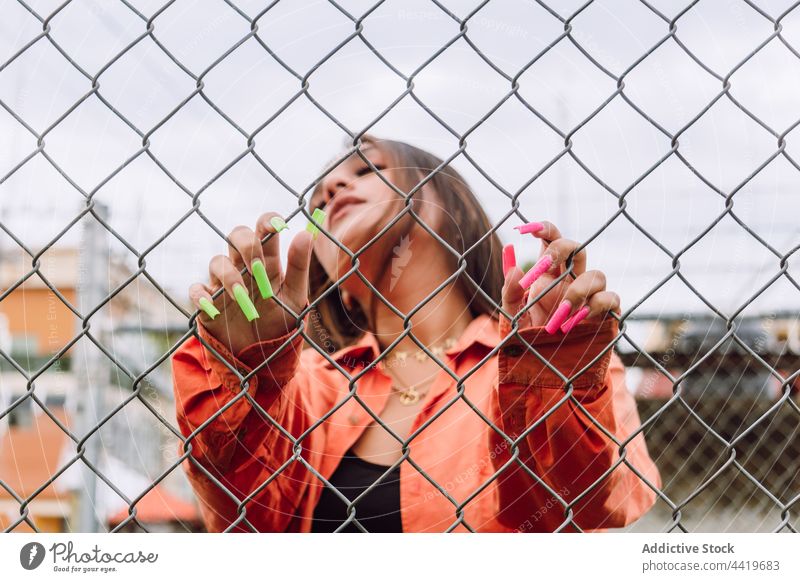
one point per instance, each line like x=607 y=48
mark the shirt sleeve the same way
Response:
x=570 y=448
x=240 y=448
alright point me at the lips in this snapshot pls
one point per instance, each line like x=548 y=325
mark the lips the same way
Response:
x=342 y=204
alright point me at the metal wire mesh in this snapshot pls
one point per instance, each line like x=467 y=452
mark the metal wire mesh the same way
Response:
x=716 y=451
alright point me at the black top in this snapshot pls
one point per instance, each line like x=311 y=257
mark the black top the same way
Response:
x=377 y=511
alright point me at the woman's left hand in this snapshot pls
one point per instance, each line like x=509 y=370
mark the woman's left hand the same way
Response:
x=568 y=302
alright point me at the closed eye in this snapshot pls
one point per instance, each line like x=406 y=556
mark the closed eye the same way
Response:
x=367 y=169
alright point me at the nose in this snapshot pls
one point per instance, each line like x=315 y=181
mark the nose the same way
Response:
x=332 y=183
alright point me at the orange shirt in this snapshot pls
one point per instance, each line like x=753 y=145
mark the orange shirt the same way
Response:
x=460 y=473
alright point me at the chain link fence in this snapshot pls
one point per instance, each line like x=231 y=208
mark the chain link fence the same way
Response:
x=722 y=449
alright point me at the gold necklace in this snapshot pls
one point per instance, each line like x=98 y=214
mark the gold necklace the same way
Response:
x=420 y=355
x=409 y=396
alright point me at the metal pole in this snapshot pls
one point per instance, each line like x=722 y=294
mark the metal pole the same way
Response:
x=91 y=367
x=564 y=212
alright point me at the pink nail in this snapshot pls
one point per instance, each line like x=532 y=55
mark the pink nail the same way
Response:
x=573 y=321
x=530 y=227
x=558 y=317
x=509 y=259
x=536 y=271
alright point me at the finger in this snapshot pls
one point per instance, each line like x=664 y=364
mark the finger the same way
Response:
x=583 y=287
x=560 y=249
x=548 y=233
x=271 y=250
x=199 y=294
x=601 y=303
x=223 y=273
x=570 y=309
x=513 y=294
x=598 y=305
x=298 y=261
x=244 y=248
x=509 y=258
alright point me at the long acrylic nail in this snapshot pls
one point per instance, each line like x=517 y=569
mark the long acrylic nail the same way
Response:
x=558 y=317
x=260 y=275
x=278 y=223
x=536 y=271
x=208 y=307
x=243 y=299
x=530 y=227
x=573 y=321
x=317 y=217
x=509 y=258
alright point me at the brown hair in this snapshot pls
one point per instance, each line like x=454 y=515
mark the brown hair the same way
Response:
x=332 y=327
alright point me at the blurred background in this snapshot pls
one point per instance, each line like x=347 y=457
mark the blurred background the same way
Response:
x=672 y=152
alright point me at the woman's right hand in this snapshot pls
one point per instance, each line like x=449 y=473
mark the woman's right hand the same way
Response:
x=231 y=326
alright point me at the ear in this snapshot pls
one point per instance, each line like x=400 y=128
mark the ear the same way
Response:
x=430 y=207
x=347 y=300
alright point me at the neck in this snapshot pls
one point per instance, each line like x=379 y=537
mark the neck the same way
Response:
x=445 y=315
x=435 y=322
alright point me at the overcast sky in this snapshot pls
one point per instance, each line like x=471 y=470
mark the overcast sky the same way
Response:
x=618 y=145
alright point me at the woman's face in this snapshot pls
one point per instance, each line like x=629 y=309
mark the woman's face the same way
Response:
x=357 y=204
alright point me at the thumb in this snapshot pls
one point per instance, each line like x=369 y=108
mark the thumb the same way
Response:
x=298 y=263
x=514 y=295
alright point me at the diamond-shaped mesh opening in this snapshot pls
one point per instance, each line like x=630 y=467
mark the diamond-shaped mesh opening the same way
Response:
x=250 y=85
x=621 y=31
x=670 y=87
x=407 y=34
x=33 y=220
x=510 y=35
x=628 y=161
x=25 y=29
x=564 y=86
x=93 y=133
x=213 y=146
x=145 y=85
x=726 y=146
x=197 y=36
x=40 y=85
x=723 y=40
x=140 y=138
x=283 y=28
x=752 y=84
x=92 y=35
x=667 y=184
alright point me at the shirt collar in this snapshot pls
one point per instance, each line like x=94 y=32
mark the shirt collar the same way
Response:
x=481 y=330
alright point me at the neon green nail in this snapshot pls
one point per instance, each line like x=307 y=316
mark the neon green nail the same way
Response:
x=278 y=223
x=208 y=307
x=260 y=275
x=317 y=217
x=243 y=299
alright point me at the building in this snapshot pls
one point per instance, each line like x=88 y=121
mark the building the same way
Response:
x=40 y=333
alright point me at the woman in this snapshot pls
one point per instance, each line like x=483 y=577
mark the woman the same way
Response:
x=434 y=462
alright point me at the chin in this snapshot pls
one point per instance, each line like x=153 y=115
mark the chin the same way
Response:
x=352 y=233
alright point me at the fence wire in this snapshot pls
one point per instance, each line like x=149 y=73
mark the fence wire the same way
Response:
x=714 y=454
